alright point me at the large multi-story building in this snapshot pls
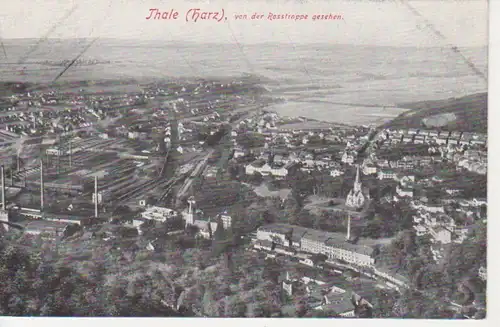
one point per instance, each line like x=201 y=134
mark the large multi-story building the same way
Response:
x=333 y=245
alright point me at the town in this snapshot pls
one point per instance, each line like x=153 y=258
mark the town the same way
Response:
x=200 y=182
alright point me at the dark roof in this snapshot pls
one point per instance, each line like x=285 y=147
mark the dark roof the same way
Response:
x=340 y=303
x=45 y=226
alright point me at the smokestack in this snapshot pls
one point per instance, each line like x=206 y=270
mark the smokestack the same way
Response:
x=41 y=185
x=348 y=236
x=70 y=159
x=18 y=163
x=96 y=198
x=3 y=188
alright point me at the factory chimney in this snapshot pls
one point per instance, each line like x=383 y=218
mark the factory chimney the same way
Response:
x=4 y=215
x=96 y=198
x=70 y=155
x=348 y=236
x=3 y=187
x=18 y=163
x=41 y=185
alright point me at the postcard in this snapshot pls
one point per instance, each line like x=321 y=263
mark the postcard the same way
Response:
x=244 y=159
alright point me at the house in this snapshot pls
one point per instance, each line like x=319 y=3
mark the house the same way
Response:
x=205 y=228
x=369 y=169
x=419 y=139
x=396 y=139
x=477 y=202
x=386 y=174
x=238 y=153
x=482 y=273
x=444 y=134
x=453 y=191
x=478 y=142
x=348 y=158
x=336 y=172
x=383 y=163
x=274 y=169
x=47 y=229
x=136 y=222
x=404 y=191
x=406 y=180
x=441 y=234
x=442 y=140
x=421 y=230
x=54 y=152
x=226 y=220
x=254 y=167
x=341 y=304
x=408 y=138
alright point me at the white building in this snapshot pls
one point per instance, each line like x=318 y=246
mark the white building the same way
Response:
x=386 y=174
x=348 y=158
x=441 y=234
x=54 y=152
x=238 y=153
x=404 y=192
x=226 y=220
x=482 y=273
x=333 y=245
x=336 y=172
x=369 y=169
x=266 y=169
x=158 y=213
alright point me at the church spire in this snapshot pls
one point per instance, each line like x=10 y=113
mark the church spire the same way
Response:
x=357 y=182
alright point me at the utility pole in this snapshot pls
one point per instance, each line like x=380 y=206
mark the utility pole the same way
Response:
x=70 y=154
x=41 y=185
x=96 y=198
x=3 y=187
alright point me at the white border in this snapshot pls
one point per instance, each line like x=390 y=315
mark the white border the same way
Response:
x=493 y=311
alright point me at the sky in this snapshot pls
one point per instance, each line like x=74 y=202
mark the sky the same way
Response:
x=365 y=22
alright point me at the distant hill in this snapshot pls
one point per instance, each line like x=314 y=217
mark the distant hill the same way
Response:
x=468 y=113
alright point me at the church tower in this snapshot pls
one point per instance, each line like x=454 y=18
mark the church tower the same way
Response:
x=190 y=214
x=357 y=183
x=356 y=199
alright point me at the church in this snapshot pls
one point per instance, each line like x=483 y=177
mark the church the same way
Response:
x=357 y=203
x=357 y=197
x=206 y=228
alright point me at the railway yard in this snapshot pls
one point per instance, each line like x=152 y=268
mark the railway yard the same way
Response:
x=147 y=146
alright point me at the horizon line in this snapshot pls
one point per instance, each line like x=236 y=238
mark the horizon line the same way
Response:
x=243 y=43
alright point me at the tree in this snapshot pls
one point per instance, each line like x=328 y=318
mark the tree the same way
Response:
x=256 y=178
x=301 y=307
x=291 y=208
x=210 y=307
x=234 y=306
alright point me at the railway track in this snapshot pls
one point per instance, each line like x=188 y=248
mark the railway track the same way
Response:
x=147 y=187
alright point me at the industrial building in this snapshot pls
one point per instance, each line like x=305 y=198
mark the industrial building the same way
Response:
x=334 y=245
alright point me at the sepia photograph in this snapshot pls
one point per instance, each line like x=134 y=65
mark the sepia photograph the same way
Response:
x=319 y=159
